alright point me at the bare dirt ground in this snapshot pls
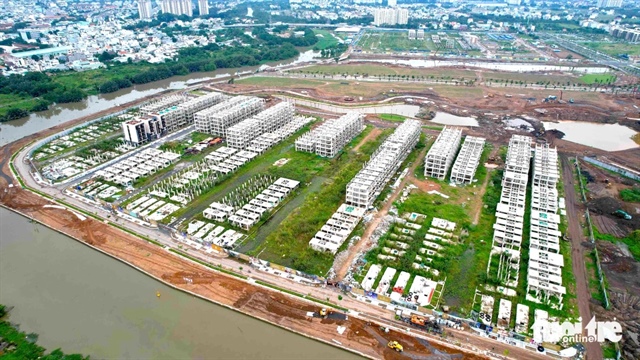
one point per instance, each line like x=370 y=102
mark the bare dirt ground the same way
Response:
x=374 y=133
x=578 y=251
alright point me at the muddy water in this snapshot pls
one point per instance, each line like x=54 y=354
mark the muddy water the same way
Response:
x=450 y=119
x=610 y=137
x=83 y=301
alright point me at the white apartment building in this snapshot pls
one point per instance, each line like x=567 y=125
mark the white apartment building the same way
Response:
x=144 y=9
x=240 y=135
x=203 y=7
x=507 y=235
x=464 y=169
x=544 y=275
x=193 y=105
x=420 y=34
x=442 y=153
x=217 y=119
x=365 y=187
x=412 y=34
x=390 y=16
x=329 y=138
x=162 y=103
x=336 y=230
x=141 y=130
x=177 y=7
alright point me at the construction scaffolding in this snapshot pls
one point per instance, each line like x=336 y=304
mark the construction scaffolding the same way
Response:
x=466 y=164
x=442 y=153
x=329 y=138
x=240 y=135
x=215 y=120
x=267 y=140
x=507 y=235
x=365 y=187
x=544 y=275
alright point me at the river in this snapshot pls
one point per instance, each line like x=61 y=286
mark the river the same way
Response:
x=83 y=301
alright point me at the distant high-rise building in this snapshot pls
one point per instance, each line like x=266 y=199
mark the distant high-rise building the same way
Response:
x=203 y=7
x=390 y=16
x=177 y=7
x=392 y=2
x=144 y=9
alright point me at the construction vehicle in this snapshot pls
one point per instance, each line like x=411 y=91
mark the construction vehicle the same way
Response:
x=418 y=320
x=323 y=313
x=395 y=346
x=622 y=214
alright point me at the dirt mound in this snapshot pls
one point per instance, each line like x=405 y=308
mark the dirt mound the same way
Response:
x=604 y=205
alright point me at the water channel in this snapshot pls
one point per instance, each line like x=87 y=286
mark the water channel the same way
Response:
x=83 y=301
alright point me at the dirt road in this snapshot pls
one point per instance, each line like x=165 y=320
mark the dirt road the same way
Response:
x=574 y=211
x=373 y=224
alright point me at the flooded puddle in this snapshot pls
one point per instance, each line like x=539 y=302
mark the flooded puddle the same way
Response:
x=450 y=119
x=610 y=137
x=518 y=123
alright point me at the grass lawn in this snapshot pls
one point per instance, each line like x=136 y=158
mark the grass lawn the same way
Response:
x=327 y=40
x=614 y=48
x=289 y=244
x=386 y=41
x=392 y=117
x=278 y=81
x=377 y=69
x=598 y=78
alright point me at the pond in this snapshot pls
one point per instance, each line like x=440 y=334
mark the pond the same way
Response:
x=610 y=137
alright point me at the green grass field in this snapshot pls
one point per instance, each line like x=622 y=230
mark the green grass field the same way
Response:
x=274 y=81
x=614 y=48
x=598 y=78
x=379 y=42
x=376 y=69
x=391 y=117
x=327 y=40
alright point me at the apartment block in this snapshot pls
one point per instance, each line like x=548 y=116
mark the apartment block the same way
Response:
x=412 y=34
x=442 y=153
x=240 y=135
x=196 y=104
x=466 y=164
x=336 y=230
x=365 y=187
x=544 y=275
x=329 y=138
x=141 y=130
x=215 y=120
x=507 y=235
x=162 y=103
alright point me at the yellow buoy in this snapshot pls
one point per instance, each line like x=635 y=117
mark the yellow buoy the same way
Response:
x=158 y=294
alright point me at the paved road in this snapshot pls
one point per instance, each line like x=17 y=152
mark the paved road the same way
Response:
x=576 y=234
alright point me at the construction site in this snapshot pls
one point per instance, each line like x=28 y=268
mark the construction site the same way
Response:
x=388 y=218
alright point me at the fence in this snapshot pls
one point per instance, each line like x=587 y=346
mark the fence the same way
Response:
x=616 y=169
x=587 y=216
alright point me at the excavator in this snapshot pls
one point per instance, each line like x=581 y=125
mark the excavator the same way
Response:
x=395 y=346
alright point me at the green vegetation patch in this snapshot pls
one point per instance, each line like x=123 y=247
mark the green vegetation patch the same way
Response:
x=326 y=40
x=392 y=117
x=598 y=78
x=632 y=241
x=288 y=245
x=630 y=195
